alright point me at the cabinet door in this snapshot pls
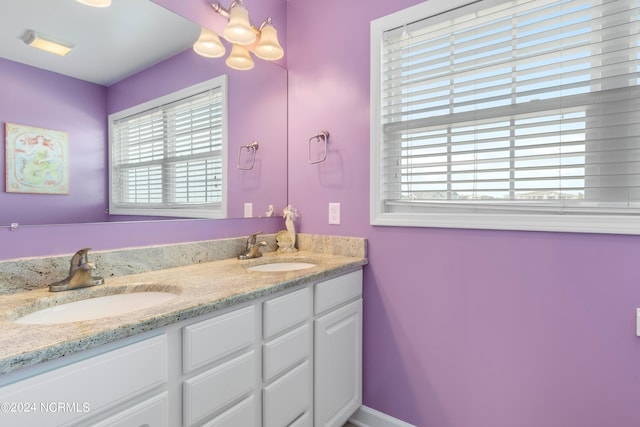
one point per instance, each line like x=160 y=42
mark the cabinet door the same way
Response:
x=152 y=412
x=338 y=365
x=211 y=391
x=243 y=414
x=287 y=398
x=87 y=387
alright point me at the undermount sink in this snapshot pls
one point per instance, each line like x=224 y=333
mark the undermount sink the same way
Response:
x=96 y=308
x=281 y=266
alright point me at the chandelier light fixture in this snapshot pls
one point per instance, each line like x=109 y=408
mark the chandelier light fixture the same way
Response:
x=244 y=38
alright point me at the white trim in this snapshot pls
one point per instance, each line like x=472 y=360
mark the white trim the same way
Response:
x=367 y=417
x=582 y=222
x=605 y=224
x=221 y=82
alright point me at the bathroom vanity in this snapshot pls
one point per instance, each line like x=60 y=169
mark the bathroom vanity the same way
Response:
x=234 y=348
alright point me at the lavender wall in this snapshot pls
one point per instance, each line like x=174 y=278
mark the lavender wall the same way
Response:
x=461 y=327
x=42 y=240
x=257 y=110
x=34 y=97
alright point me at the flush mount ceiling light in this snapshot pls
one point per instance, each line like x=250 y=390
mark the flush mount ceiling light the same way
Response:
x=47 y=43
x=243 y=36
x=96 y=3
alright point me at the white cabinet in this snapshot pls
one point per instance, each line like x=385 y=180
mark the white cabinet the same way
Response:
x=75 y=392
x=288 y=360
x=213 y=390
x=243 y=414
x=152 y=412
x=211 y=340
x=338 y=350
x=287 y=398
x=222 y=349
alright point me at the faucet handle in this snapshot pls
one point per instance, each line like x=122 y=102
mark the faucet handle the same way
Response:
x=78 y=259
x=252 y=238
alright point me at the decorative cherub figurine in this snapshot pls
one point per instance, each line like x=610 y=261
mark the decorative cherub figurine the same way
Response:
x=286 y=239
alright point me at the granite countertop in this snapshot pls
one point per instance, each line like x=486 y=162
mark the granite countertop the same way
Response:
x=200 y=288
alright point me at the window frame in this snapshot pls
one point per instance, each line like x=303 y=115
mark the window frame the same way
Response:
x=481 y=216
x=220 y=210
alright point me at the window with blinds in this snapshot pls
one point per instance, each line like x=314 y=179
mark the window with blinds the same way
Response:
x=167 y=155
x=503 y=108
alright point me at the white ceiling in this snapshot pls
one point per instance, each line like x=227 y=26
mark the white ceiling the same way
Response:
x=110 y=43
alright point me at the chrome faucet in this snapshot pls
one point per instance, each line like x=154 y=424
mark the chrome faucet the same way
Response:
x=80 y=274
x=252 y=249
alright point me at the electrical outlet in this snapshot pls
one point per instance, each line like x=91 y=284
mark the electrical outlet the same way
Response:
x=334 y=213
x=248 y=210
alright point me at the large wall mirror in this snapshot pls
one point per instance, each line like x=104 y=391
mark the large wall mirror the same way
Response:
x=124 y=55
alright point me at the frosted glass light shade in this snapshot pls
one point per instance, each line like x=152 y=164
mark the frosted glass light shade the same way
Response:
x=238 y=30
x=96 y=3
x=268 y=47
x=209 y=44
x=47 y=44
x=239 y=58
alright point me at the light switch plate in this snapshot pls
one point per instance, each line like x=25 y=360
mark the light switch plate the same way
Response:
x=334 y=213
x=248 y=210
x=638 y=322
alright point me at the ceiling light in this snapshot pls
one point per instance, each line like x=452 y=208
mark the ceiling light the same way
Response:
x=47 y=43
x=209 y=44
x=96 y=3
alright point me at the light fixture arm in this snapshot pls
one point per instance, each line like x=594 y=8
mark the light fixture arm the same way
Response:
x=265 y=22
x=224 y=12
x=218 y=8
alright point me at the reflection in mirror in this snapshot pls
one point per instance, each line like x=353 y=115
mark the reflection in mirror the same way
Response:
x=76 y=96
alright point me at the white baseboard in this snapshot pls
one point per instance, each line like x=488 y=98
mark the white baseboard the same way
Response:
x=367 y=417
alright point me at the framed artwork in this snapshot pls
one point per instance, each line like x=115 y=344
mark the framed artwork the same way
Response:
x=37 y=160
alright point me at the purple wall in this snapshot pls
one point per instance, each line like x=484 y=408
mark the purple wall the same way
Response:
x=257 y=110
x=461 y=327
x=42 y=240
x=34 y=97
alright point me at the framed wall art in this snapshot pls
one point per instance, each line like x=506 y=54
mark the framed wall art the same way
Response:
x=37 y=160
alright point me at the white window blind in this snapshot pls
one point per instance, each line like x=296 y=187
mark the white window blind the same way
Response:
x=168 y=159
x=504 y=108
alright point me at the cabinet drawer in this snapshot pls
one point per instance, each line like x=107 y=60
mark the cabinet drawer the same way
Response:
x=243 y=414
x=336 y=291
x=211 y=340
x=284 y=312
x=285 y=351
x=209 y=392
x=287 y=398
x=90 y=385
x=303 y=421
x=152 y=412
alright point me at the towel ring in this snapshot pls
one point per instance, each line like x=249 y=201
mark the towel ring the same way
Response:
x=252 y=148
x=322 y=136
